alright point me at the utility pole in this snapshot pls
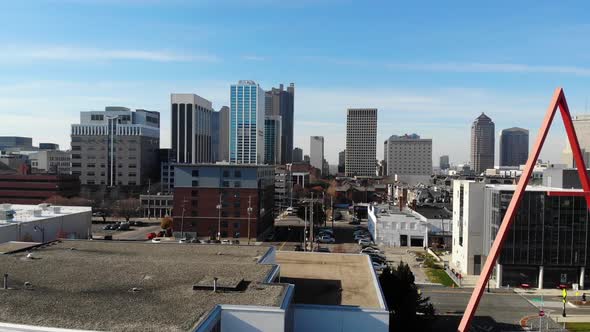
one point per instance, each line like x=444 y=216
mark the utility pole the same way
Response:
x=324 y=206
x=219 y=206
x=249 y=212
x=305 y=230
x=149 y=198
x=182 y=219
x=311 y=223
x=332 y=210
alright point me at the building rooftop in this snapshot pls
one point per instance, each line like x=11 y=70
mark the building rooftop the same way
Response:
x=131 y=286
x=331 y=279
x=512 y=187
x=29 y=213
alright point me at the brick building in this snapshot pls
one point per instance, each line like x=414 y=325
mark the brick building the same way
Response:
x=199 y=189
x=36 y=188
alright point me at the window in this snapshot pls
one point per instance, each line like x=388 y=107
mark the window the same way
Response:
x=90 y=174
x=91 y=165
x=225 y=184
x=132 y=166
x=237 y=213
x=194 y=213
x=225 y=173
x=238 y=174
x=195 y=183
x=237 y=184
x=76 y=148
x=195 y=193
x=76 y=165
x=76 y=156
x=224 y=224
x=195 y=203
x=195 y=173
x=236 y=225
x=96 y=117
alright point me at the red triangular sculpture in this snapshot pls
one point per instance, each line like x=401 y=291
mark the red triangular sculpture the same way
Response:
x=557 y=101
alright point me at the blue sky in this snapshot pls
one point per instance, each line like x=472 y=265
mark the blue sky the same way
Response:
x=430 y=67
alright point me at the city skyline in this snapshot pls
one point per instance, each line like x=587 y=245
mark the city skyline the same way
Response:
x=436 y=91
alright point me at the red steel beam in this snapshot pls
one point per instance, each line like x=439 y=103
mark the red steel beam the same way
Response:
x=567 y=193
x=558 y=100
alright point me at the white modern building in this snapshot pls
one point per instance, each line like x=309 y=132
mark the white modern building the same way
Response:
x=408 y=158
x=468 y=226
x=246 y=136
x=191 y=128
x=43 y=223
x=361 y=142
x=395 y=228
x=316 y=152
x=582 y=127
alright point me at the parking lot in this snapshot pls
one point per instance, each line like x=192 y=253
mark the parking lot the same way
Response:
x=133 y=233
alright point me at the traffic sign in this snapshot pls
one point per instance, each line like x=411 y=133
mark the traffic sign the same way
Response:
x=541 y=313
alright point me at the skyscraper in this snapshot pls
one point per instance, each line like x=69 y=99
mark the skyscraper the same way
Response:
x=316 y=152
x=116 y=147
x=215 y=134
x=297 y=155
x=272 y=139
x=444 y=162
x=191 y=128
x=224 y=134
x=361 y=142
x=409 y=156
x=281 y=102
x=341 y=160
x=482 y=144
x=582 y=127
x=514 y=146
x=246 y=140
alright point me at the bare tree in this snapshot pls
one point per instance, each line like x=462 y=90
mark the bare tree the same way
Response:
x=166 y=223
x=127 y=208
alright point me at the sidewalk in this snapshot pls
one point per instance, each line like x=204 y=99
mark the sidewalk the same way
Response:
x=551 y=292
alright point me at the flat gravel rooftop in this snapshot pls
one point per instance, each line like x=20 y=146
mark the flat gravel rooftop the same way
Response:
x=89 y=284
x=330 y=278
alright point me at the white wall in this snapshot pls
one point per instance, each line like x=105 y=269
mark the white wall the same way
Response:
x=75 y=226
x=240 y=318
x=321 y=318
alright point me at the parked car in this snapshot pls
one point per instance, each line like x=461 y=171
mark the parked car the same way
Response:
x=270 y=237
x=354 y=222
x=156 y=240
x=325 y=239
x=322 y=249
x=325 y=234
x=182 y=241
x=327 y=230
x=140 y=223
x=371 y=250
x=107 y=227
x=378 y=256
x=362 y=236
x=123 y=227
x=151 y=235
x=298 y=247
x=365 y=241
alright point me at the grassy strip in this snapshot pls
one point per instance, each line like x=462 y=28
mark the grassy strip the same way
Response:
x=439 y=276
x=575 y=327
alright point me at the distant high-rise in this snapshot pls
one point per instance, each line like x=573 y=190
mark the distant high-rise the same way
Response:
x=514 y=146
x=116 y=147
x=341 y=160
x=16 y=142
x=281 y=103
x=297 y=155
x=444 y=162
x=582 y=127
x=224 y=134
x=361 y=142
x=215 y=134
x=482 y=144
x=246 y=140
x=306 y=159
x=272 y=139
x=408 y=155
x=191 y=128
x=316 y=152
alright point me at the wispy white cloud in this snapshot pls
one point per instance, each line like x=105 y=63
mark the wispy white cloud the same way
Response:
x=489 y=68
x=253 y=57
x=74 y=53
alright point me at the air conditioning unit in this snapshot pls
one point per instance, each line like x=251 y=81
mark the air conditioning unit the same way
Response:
x=37 y=213
x=7 y=215
x=44 y=206
x=57 y=209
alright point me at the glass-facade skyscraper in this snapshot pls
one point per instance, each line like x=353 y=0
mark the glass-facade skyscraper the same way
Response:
x=247 y=106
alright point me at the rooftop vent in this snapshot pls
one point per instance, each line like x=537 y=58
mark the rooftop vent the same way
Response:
x=37 y=213
x=57 y=209
x=44 y=206
x=225 y=284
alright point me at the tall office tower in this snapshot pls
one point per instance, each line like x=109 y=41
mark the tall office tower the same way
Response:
x=246 y=140
x=281 y=102
x=361 y=142
x=297 y=155
x=582 y=127
x=224 y=134
x=341 y=160
x=191 y=128
x=514 y=146
x=272 y=139
x=408 y=156
x=215 y=135
x=306 y=159
x=444 y=162
x=7 y=142
x=116 y=147
x=316 y=152
x=482 y=144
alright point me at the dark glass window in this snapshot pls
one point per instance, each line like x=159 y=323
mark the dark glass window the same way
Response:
x=195 y=173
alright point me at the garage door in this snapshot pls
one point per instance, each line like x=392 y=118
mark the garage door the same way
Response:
x=417 y=242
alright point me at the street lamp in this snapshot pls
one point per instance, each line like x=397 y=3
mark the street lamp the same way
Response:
x=182 y=219
x=249 y=212
x=219 y=206
x=42 y=230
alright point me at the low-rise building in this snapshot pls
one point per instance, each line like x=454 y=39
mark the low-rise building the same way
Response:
x=156 y=205
x=392 y=227
x=283 y=185
x=43 y=223
x=36 y=188
x=223 y=198
x=51 y=161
